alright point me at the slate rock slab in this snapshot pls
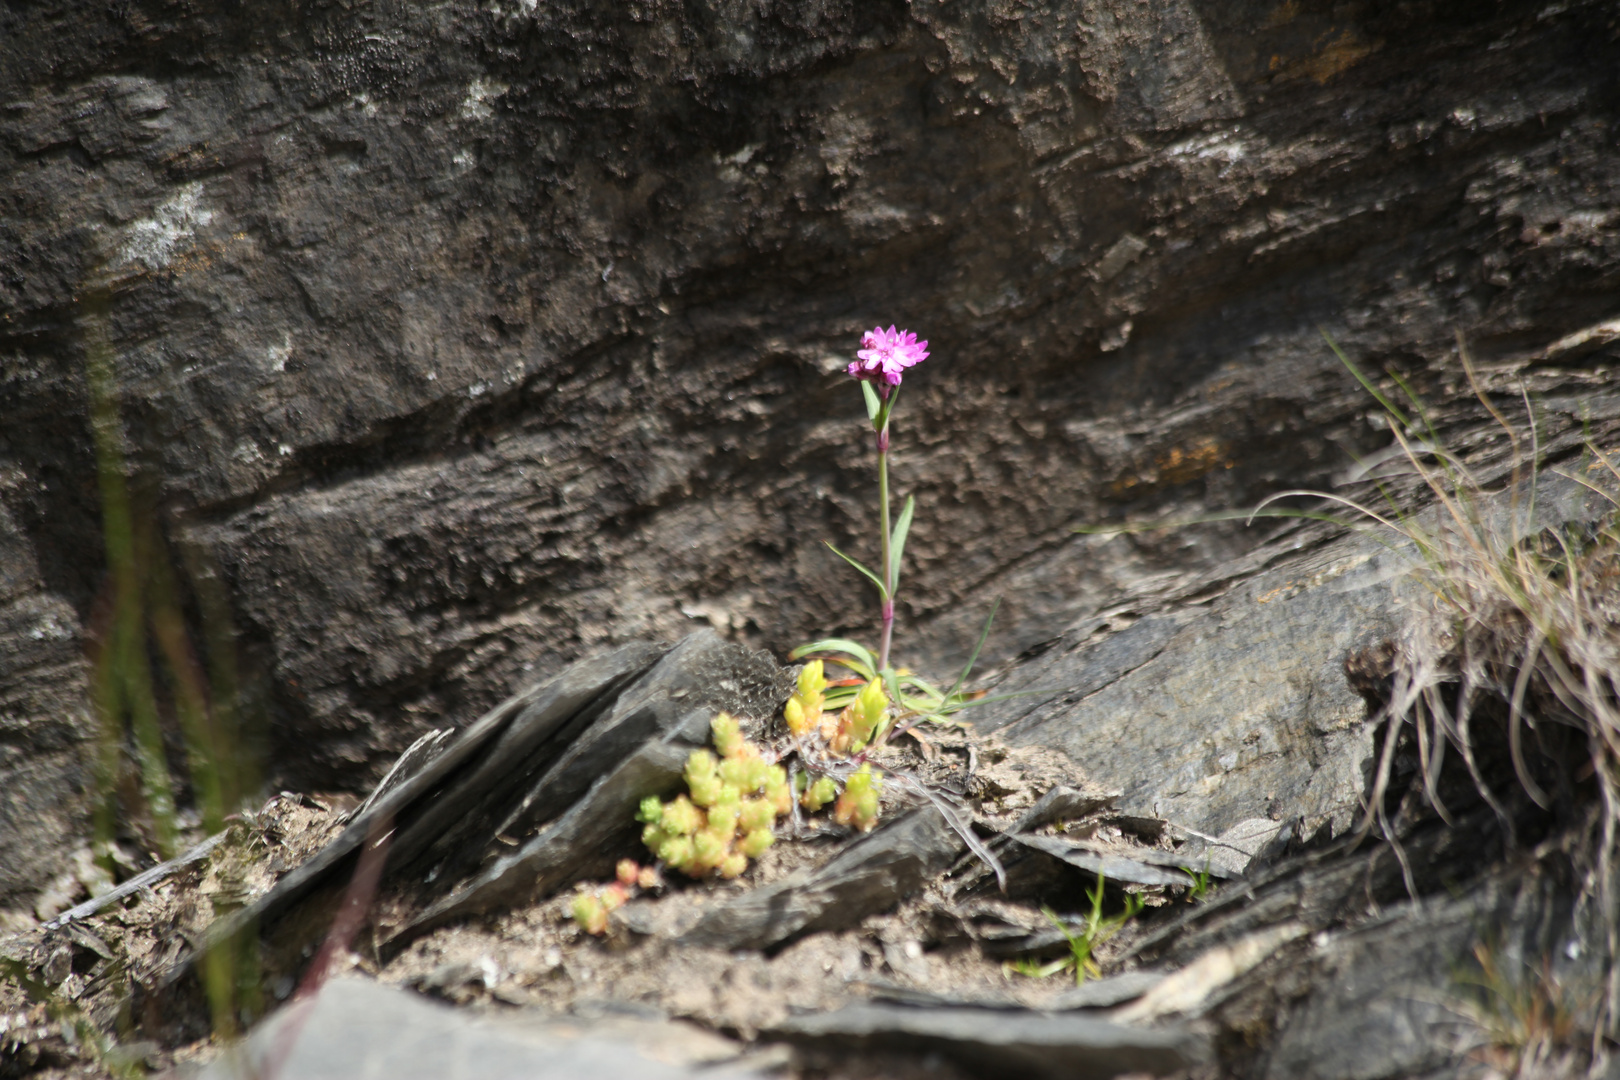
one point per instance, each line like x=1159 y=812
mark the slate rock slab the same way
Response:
x=567 y=759
x=1217 y=716
x=355 y=1029
x=586 y=789
x=1001 y=1043
x=870 y=875
x=1145 y=866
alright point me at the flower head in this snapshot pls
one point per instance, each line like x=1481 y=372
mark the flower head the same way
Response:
x=884 y=354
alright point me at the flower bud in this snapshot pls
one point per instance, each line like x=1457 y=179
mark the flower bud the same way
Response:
x=626 y=872
x=649 y=878
x=733 y=865
x=870 y=711
x=812 y=679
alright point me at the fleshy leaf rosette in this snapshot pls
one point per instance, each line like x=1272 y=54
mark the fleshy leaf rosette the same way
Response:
x=884 y=354
x=728 y=819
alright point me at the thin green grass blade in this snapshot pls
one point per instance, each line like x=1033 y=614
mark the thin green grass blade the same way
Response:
x=838 y=645
x=973 y=657
x=898 y=544
x=1417 y=406
x=1388 y=405
x=921 y=684
x=891 y=683
x=873 y=578
x=835 y=701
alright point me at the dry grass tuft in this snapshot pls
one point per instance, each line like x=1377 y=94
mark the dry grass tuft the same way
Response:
x=1518 y=627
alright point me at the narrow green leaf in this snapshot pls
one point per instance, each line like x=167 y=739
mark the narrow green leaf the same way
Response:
x=921 y=684
x=838 y=645
x=1364 y=381
x=891 y=683
x=983 y=636
x=898 y=544
x=872 y=402
x=1422 y=413
x=873 y=577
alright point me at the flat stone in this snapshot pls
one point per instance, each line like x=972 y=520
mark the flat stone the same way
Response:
x=425 y=794
x=1220 y=714
x=589 y=791
x=355 y=1029
x=1250 y=843
x=1062 y=803
x=1001 y=1043
x=1106 y=993
x=1146 y=866
x=872 y=874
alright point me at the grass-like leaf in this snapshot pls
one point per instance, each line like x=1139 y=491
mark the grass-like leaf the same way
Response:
x=853 y=649
x=1363 y=380
x=870 y=576
x=891 y=683
x=973 y=657
x=898 y=544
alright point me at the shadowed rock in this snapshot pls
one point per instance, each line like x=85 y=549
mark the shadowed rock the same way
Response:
x=1000 y=1043
x=870 y=875
x=582 y=748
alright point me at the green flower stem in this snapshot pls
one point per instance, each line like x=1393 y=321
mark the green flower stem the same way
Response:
x=889 y=576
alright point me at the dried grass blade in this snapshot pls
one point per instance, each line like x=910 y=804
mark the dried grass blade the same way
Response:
x=963 y=826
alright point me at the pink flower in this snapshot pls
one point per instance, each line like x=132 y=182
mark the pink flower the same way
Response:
x=884 y=354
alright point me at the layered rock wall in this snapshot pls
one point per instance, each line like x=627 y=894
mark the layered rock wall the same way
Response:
x=465 y=340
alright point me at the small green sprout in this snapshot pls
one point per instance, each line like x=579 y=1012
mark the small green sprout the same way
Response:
x=1030 y=967
x=1094 y=930
x=1198 y=888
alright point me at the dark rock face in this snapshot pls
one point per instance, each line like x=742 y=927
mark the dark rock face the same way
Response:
x=468 y=341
